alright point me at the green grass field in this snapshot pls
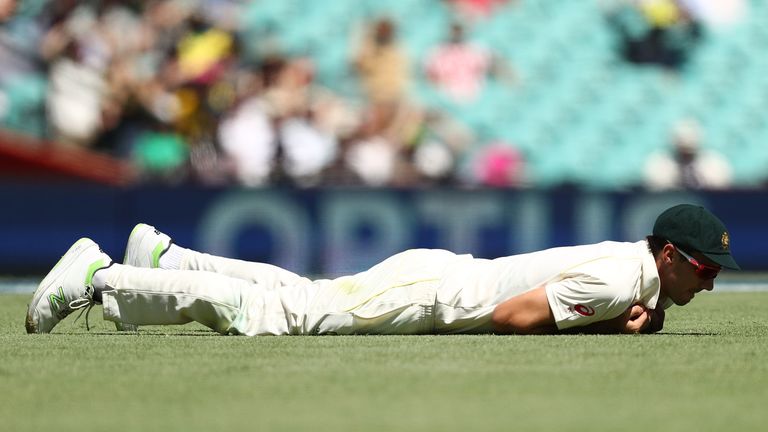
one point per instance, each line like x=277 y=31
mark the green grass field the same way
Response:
x=707 y=371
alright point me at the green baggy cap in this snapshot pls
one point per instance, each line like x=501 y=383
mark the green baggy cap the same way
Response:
x=695 y=229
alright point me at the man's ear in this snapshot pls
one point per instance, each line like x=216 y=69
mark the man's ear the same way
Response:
x=667 y=253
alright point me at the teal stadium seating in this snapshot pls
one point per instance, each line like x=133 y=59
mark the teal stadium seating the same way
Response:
x=581 y=114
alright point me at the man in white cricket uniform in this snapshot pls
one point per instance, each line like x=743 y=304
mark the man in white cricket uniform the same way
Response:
x=610 y=287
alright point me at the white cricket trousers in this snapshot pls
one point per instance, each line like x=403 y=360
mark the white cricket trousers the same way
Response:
x=397 y=296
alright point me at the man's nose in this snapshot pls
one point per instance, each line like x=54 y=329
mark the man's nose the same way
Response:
x=708 y=285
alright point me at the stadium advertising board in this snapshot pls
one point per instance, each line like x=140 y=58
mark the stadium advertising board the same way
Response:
x=337 y=231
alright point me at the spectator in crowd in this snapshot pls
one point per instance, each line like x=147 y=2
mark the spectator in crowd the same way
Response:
x=460 y=69
x=246 y=133
x=376 y=154
x=499 y=164
x=382 y=64
x=247 y=138
x=161 y=154
x=78 y=55
x=379 y=152
x=442 y=144
x=687 y=165
x=659 y=32
x=309 y=120
x=285 y=129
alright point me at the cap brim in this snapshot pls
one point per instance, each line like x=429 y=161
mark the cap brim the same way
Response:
x=724 y=260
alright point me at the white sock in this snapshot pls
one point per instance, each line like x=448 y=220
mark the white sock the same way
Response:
x=171 y=259
x=99 y=280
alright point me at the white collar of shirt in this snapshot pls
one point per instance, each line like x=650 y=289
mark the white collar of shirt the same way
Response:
x=650 y=286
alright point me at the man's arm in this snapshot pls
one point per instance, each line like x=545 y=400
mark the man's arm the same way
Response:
x=529 y=313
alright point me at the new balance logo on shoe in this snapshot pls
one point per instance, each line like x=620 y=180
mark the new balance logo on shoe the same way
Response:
x=56 y=301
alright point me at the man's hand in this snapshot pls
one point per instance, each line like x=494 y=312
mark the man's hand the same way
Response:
x=639 y=319
x=634 y=320
x=657 y=320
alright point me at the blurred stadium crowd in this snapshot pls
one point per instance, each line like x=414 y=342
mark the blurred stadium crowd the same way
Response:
x=660 y=94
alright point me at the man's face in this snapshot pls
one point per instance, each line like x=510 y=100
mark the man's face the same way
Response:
x=680 y=282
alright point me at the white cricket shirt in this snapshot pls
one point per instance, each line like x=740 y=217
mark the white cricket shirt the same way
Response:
x=584 y=284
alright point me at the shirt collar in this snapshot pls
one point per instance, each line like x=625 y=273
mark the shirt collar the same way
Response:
x=650 y=286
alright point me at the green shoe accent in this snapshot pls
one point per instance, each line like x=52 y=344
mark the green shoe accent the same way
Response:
x=56 y=301
x=91 y=270
x=159 y=249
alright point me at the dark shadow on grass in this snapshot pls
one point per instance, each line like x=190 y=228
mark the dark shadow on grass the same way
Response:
x=151 y=333
x=688 y=334
x=185 y=334
x=210 y=333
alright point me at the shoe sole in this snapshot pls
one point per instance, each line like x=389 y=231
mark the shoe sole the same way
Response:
x=61 y=266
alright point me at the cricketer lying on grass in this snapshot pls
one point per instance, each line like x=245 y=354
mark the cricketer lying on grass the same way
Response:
x=609 y=287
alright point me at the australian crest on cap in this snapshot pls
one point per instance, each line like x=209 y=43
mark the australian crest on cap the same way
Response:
x=725 y=241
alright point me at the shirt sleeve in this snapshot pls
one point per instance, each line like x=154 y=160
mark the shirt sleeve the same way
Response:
x=582 y=299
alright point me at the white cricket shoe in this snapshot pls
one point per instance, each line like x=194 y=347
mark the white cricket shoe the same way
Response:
x=145 y=246
x=67 y=287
